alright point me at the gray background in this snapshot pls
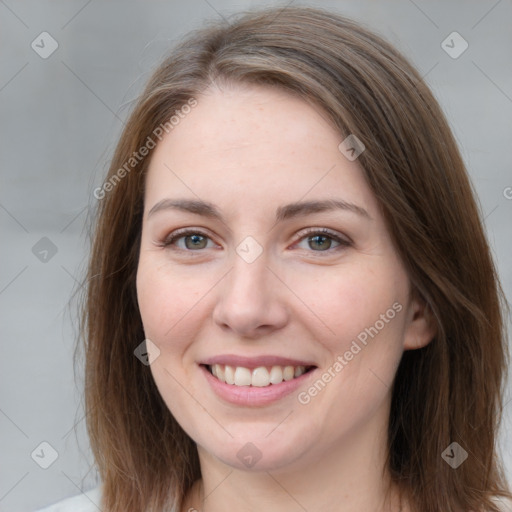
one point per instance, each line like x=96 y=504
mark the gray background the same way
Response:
x=60 y=119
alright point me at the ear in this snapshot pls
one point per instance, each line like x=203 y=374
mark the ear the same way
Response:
x=421 y=326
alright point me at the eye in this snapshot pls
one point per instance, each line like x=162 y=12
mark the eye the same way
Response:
x=192 y=239
x=321 y=240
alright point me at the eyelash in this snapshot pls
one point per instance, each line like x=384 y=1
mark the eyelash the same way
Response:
x=310 y=232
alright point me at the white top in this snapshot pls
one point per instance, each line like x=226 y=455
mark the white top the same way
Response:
x=504 y=504
x=91 y=503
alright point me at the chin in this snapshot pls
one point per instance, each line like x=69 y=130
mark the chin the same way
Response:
x=259 y=451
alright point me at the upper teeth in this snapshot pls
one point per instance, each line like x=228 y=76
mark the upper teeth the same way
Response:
x=260 y=377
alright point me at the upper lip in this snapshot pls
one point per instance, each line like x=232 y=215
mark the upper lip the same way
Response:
x=255 y=362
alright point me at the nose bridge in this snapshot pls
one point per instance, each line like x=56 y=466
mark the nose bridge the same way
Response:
x=247 y=299
x=248 y=278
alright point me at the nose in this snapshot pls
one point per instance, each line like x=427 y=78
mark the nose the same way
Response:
x=251 y=300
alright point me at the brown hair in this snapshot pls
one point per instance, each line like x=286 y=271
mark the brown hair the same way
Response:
x=449 y=391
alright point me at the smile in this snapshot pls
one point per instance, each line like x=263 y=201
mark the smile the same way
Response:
x=258 y=377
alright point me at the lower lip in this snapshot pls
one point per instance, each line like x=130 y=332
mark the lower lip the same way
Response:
x=253 y=395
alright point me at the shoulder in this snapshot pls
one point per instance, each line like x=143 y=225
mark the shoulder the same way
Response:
x=85 y=502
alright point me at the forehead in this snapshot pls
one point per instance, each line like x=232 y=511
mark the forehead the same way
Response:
x=259 y=143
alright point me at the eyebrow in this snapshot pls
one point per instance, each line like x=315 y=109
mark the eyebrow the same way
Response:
x=285 y=212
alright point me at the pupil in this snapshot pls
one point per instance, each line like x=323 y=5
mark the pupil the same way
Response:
x=196 y=241
x=318 y=239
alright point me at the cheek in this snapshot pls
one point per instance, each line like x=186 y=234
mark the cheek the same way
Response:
x=366 y=315
x=166 y=309
x=366 y=312
x=347 y=301
x=153 y=302
x=162 y=301
x=173 y=307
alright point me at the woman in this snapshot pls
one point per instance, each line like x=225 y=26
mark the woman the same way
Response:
x=291 y=301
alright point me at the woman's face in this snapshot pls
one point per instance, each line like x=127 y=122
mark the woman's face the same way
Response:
x=271 y=274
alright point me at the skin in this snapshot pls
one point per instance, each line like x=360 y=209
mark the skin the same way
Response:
x=250 y=150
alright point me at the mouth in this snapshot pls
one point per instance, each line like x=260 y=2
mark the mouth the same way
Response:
x=260 y=377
